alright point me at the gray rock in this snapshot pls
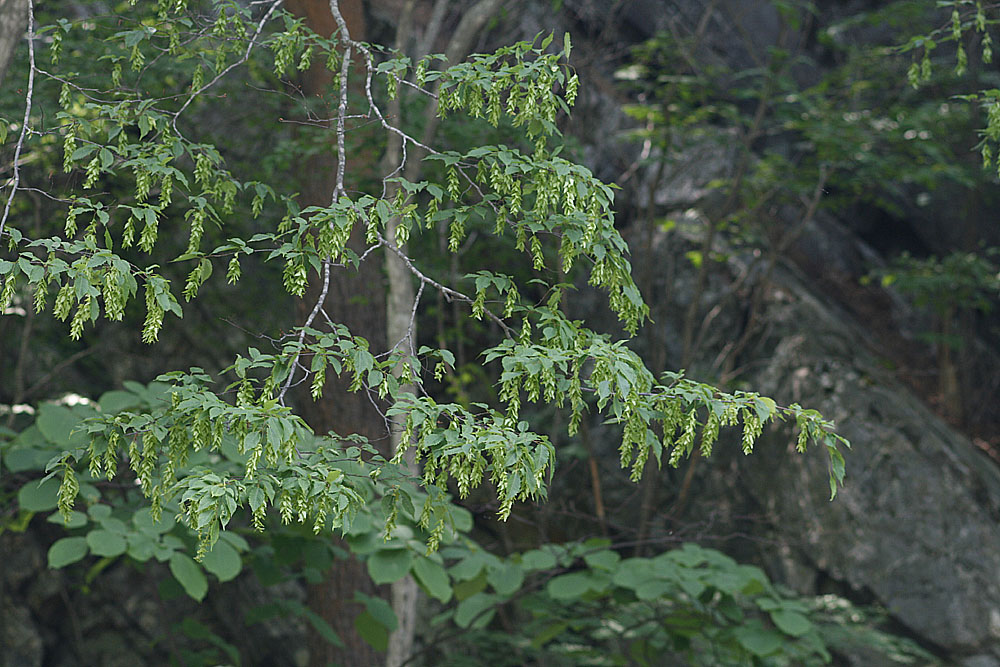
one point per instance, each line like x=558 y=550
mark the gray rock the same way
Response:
x=916 y=526
x=20 y=642
x=980 y=661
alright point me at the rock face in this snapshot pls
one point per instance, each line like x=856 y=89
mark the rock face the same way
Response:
x=915 y=529
x=917 y=526
x=917 y=523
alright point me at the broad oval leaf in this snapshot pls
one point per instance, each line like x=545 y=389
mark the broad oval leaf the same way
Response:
x=758 y=640
x=473 y=609
x=568 y=586
x=143 y=520
x=373 y=632
x=223 y=561
x=433 y=578
x=105 y=543
x=67 y=550
x=468 y=568
x=603 y=560
x=791 y=622
x=389 y=565
x=189 y=575
x=654 y=589
x=26 y=458
x=35 y=497
x=505 y=579
x=115 y=401
x=76 y=519
x=140 y=546
x=56 y=422
x=634 y=573
x=538 y=559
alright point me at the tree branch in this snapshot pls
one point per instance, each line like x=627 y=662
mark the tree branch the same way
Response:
x=16 y=178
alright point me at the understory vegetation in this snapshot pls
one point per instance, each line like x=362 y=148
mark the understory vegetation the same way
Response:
x=280 y=301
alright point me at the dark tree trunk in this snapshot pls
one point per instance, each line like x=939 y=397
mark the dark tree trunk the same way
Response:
x=13 y=21
x=356 y=299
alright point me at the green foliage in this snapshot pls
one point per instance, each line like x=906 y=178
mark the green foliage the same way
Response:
x=575 y=599
x=111 y=526
x=177 y=471
x=534 y=196
x=584 y=604
x=969 y=27
x=966 y=280
x=845 y=133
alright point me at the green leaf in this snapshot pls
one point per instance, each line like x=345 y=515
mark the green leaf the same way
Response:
x=461 y=517
x=143 y=520
x=469 y=610
x=603 y=560
x=372 y=631
x=20 y=459
x=466 y=589
x=765 y=407
x=569 y=586
x=549 y=633
x=113 y=402
x=379 y=609
x=67 y=550
x=141 y=546
x=634 y=573
x=189 y=575
x=538 y=559
x=315 y=554
x=105 y=543
x=321 y=627
x=76 y=519
x=468 y=568
x=35 y=497
x=653 y=590
x=433 y=578
x=223 y=561
x=113 y=525
x=791 y=622
x=388 y=565
x=82 y=152
x=758 y=640
x=56 y=422
x=689 y=555
x=505 y=579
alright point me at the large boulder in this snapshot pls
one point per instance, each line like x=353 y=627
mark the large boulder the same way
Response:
x=916 y=528
x=917 y=522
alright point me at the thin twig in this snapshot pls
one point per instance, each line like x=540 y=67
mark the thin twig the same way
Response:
x=338 y=191
x=448 y=293
x=16 y=178
x=317 y=307
x=246 y=56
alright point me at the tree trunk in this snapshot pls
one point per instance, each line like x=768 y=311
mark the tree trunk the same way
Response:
x=401 y=324
x=13 y=21
x=356 y=299
x=401 y=331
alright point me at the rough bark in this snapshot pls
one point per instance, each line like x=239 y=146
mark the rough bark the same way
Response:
x=355 y=298
x=13 y=20
x=401 y=330
x=401 y=326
